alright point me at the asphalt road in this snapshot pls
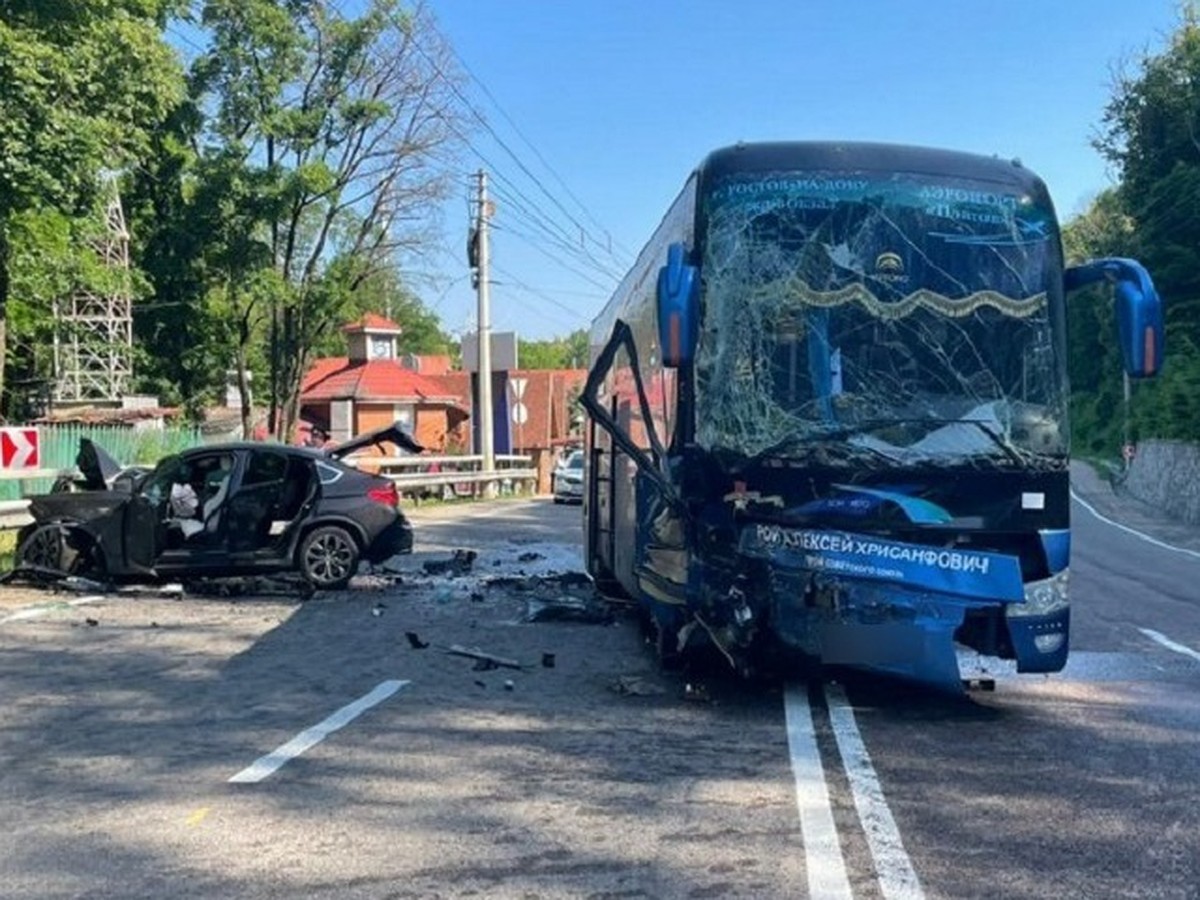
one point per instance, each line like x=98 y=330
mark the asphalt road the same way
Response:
x=363 y=767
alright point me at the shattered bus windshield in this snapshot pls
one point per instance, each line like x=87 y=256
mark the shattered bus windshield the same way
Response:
x=894 y=318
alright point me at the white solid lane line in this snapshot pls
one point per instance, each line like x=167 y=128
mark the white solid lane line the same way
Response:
x=897 y=878
x=36 y=612
x=822 y=853
x=1170 y=644
x=1137 y=534
x=310 y=737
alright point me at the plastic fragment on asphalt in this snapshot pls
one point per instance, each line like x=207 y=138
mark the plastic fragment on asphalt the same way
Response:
x=460 y=563
x=635 y=686
x=473 y=653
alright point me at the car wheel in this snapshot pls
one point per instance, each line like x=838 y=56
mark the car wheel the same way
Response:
x=328 y=558
x=43 y=548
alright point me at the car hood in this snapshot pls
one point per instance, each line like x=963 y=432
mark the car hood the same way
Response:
x=393 y=434
x=81 y=506
x=96 y=466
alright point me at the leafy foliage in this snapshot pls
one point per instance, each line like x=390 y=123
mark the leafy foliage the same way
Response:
x=337 y=128
x=81 y=85
x=1151 y=135
x=284 y=193
x=570 y=352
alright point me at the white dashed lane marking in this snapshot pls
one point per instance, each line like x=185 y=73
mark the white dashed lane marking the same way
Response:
x=310 y=737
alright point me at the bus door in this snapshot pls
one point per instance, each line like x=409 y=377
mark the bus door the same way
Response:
x=618 y=419
x=599 y=531
x=624 y=502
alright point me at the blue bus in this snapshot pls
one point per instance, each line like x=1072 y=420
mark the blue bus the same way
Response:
x=827 y=411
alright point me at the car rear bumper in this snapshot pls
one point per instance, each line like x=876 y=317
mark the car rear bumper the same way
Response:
x=568 y=490
x=395 y=539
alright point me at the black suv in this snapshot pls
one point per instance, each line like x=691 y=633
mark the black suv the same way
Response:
x=223 y=510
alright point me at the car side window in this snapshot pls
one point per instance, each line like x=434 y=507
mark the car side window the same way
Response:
x=264 y=467
x=157 y=486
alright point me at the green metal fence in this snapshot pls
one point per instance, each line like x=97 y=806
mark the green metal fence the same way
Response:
x=58 y=445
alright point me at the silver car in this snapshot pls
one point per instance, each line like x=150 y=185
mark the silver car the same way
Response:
x=568 y=479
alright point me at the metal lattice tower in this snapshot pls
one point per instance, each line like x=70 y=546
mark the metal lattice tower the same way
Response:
x=93 y=345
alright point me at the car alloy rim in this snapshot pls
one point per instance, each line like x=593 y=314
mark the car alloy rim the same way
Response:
x=329 y=559
x=44 y=549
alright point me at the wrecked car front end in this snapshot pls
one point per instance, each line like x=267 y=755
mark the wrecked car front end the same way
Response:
x=74 y=533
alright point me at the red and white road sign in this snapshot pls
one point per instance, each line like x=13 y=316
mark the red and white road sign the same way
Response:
x=19 y=448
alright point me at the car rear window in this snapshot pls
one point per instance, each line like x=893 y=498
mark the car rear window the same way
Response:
x=328 y=474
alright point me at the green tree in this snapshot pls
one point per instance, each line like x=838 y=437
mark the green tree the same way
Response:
x=349 y=123
x=81 y=82
x=570 y=352
x=1095 y=366
x=1151 y=134
x=178 y=340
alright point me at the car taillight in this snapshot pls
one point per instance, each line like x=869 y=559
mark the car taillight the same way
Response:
x=387 y=495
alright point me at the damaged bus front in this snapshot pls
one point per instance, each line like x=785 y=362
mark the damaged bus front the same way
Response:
x=828 y=411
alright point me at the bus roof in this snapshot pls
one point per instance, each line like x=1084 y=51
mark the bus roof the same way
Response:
x=851 y=156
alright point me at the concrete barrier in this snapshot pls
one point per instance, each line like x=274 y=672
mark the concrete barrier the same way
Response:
x=1166 y=474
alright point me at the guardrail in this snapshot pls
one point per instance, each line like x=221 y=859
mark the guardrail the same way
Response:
x=14 y=514
x=457 y=476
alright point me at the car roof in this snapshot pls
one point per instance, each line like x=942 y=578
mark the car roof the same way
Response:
x=233 y=446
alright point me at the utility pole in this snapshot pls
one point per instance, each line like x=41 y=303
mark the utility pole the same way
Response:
x=484 y=336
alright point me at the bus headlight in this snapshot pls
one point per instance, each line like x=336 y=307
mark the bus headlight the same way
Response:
x=1042 y=598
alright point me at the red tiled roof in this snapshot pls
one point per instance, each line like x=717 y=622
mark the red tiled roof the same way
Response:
x=337 y=378
x=321 y=369
x=456 y=383
x=431 y=364
x=372 y=322
x=90 y=415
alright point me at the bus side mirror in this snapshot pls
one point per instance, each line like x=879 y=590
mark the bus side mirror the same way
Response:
x=678 y=297
x=1139 y=310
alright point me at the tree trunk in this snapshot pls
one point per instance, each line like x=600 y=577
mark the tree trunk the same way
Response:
x=3 y=308
x=245 y=396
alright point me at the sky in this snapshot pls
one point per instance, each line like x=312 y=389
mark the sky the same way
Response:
x=610 y=104
x=597 y=111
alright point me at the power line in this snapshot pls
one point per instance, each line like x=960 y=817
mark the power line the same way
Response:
x=538 y=292
x=536 y=244
x=483 y=87
x=502 y=143
x=557 y=238
x=179 y=35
